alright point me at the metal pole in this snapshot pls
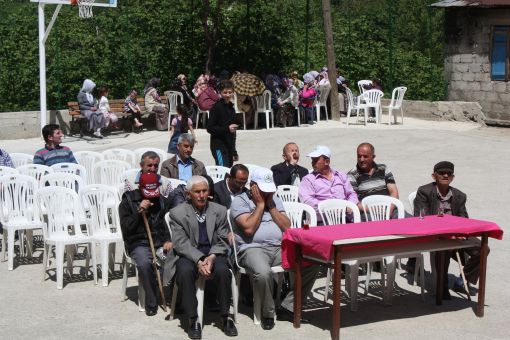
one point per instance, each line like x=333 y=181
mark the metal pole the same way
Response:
x=42 y=65
x=307 y=25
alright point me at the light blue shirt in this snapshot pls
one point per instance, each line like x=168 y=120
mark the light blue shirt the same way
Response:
x=185 y=169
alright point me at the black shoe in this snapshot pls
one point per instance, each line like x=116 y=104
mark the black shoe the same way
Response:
x=151 y=311
x=228 y=327
x=267 y=323
x=194 y=330
x=283 y=314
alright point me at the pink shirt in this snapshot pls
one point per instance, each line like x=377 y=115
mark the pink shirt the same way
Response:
x=307 y=97
x=315 y=188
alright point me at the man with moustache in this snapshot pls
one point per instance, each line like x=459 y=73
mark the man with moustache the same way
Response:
x=289 y=172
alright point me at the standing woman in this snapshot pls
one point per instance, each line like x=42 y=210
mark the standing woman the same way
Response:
x=88 y=108
x=153 y=103
x=222 y=128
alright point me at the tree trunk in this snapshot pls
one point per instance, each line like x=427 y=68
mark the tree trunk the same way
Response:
x=333 y=94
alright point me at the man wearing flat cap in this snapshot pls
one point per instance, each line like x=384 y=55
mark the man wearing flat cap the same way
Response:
x=324 y=182
x=439 y=197
x=146 y=199
x=259 y=222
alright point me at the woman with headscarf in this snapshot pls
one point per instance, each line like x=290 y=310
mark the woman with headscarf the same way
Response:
x=153 y=103
x=88 y=108
x=287 y=103
x=205 y=94
x=307 y=97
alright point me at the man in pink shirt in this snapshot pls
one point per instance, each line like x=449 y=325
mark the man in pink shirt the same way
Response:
x=324 y=182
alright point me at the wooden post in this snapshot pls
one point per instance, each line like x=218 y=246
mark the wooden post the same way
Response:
x=484 y=251
x=337 y=293
x=297 y=288
x=330 y=51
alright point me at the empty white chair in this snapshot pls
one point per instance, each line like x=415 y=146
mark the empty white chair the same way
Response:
x=17 y=210
x=397 y=97
x=19 y=159
x=322 y=100
x=371 y=99
x=334 y=212
x=288 y=193
x=63 y=208
x=362 y=83
x=36 y=171
x=217 y=172
x=7 y=170
x=238 y=111
x=88 y=159
x=140 y=151
x=121 y=155
x=295 y=211
x=128 y=179
x=352 y=105
x=174 y=98
x=103 y=221
x=257 y=303
x=66 y=180
x=126 y=260
x=175 y=182
x=263 y=103
x=71 y=168
x=109 y=172
x=411 y=198
x=378 y=208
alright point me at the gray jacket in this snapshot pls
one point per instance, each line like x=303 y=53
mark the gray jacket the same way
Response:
x=426 y=197
x=84 y=103
x=185 y=232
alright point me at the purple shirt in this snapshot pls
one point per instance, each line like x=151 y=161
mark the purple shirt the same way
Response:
x=315 y=188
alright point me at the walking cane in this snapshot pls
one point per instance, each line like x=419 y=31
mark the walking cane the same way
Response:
x=154 y=264
x=461 y=267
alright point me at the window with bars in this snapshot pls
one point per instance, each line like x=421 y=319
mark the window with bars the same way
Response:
x=500 y=53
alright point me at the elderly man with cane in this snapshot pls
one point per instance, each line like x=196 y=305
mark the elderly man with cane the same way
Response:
x=144 y=231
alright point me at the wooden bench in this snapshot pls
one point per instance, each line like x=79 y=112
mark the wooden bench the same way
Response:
x=78 y=122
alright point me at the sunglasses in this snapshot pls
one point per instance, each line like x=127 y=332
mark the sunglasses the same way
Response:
x=443 y=173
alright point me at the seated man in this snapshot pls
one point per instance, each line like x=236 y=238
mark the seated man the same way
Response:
x=369 y=178
x=199 y=230
x=260 y=220
x=234 y=184
x=440 y=197
x=324 y=182
x=289 y=172
x=146 y=199
x=5 y=159
x=182 y=166
x=53 y=152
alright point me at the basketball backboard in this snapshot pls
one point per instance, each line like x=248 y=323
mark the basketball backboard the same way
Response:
x=98 y=3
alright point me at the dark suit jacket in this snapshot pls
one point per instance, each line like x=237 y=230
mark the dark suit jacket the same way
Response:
x=426 y=197
x=222 y=194
x=282 y=173
x=185 y=232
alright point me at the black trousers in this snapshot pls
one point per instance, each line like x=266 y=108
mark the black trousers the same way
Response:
x=187 y=273
x=222 y=157
x=142 y=256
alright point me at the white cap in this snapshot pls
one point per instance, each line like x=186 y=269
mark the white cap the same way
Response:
x=320 y=150
x=264 y=179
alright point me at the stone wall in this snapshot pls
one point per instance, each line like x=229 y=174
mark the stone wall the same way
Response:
x=18 y=125
x=467 y=61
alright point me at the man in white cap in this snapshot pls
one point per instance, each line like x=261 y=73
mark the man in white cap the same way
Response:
x=259 y=221
x=324 y=182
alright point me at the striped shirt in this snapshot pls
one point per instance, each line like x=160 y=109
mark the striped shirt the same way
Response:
x=375 y=184
x=49 y=156
x=5 y=159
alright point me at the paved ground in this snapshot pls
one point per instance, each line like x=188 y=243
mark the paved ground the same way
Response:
x=34 y=309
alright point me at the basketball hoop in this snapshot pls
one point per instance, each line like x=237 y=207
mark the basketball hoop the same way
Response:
x=84 y=7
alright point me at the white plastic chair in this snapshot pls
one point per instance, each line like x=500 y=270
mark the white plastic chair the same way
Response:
x=109 y=172
x=94 y=199
x=217 y=172
x=352 y=105
x=361 y=83
x=63 y=209
x=66 y=180
x=36 y=171
x=118 y=154
x=17 y=211
x=19 y=159
x=88 y=159
x=238 y=111
x=322 y=100
x=129 y=176
x=378 y=208
x=397 y=97
x=295 y=211
x=71 y=168
x=175 y=182
x=298 y=114
x=7 y=170
x=334 y=212
x=257 y=303
x=411 y=198
x=174 y=98
x=140 y=151
x=263 y=103
x=371 y=99
x=288 y=193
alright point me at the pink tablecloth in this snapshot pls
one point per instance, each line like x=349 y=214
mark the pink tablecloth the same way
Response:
x=319 y=240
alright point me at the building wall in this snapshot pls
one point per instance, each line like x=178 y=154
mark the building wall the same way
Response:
x=467 y=60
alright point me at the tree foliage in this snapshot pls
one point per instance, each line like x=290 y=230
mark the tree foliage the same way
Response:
x=399 y=41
